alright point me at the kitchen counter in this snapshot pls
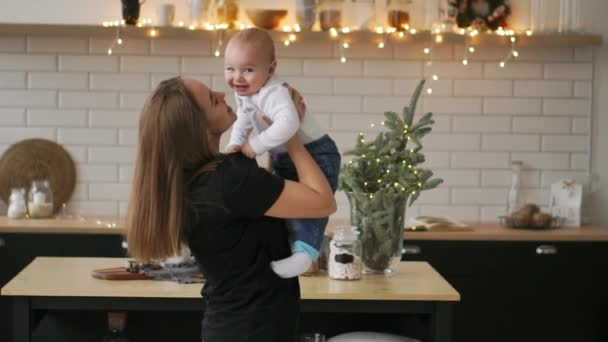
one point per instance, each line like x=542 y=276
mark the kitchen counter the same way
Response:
x=71 y=277
x=61 y=225
x=478 y=231
x=66 y=284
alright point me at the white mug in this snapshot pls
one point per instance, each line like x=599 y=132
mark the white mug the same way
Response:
x=166 y=14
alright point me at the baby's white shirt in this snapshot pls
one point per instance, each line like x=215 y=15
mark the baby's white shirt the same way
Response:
x=274 y=101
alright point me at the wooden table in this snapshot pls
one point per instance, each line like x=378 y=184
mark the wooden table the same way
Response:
x=66 y=284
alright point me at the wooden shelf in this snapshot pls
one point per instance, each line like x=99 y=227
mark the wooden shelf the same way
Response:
x=537 y=40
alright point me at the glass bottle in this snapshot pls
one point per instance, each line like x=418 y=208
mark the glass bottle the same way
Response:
x=398 y=13
x=345 y=254
x=514 y=197
x=330 y=14
x=16 y=206
x=40 y=199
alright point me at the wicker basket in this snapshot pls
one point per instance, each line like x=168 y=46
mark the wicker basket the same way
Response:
x=555 y=222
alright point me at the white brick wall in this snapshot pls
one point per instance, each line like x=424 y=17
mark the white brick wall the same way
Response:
x=536 y=109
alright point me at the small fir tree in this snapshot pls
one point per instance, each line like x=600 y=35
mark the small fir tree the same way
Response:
x=382 y=176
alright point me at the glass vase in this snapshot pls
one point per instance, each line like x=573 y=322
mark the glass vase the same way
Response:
x=379 y=218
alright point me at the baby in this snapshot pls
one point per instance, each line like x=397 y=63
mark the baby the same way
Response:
x=260 y=95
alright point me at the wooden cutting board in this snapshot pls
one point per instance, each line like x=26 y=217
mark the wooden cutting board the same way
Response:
x=118 y=273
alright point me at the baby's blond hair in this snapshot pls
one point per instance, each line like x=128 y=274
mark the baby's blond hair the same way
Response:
x=262 y=40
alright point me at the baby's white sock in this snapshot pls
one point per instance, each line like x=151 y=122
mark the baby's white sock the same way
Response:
x=292 y=266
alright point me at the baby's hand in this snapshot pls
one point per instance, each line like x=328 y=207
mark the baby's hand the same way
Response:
x=298 y=101
x=233 y=149
x=248 y=151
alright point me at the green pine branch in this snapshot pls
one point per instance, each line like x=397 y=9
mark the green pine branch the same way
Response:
x=390 y=162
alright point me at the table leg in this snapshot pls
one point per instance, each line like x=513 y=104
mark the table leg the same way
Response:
x=441 y=323
x=21 y=319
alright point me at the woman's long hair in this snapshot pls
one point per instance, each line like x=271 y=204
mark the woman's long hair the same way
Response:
x=172 y=142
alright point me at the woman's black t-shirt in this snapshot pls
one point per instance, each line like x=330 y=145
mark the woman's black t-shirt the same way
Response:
x=234 y=244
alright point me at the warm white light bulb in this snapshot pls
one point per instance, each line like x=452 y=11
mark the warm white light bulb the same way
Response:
x=286 y=43
x=515 y=54
x=502 y=64
x=292 y=37
x=429 y=91
x=343 y=59
x=413 y=31
x=438 y=39
x=529 y=32
x=471 y=49
x=427 y=51
x=345 y=45
x=465 y=62
x=153 y=33
x=381 y=45
x=109 y=51
x=217 y=53
x=435 y=77
x=119 y=41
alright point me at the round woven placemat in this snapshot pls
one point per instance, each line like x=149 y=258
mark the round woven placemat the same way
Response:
x=34 y=159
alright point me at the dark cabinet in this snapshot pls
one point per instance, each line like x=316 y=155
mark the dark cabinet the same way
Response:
x=18 y=250
x=521 y=290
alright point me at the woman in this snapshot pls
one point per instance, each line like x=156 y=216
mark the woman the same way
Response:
x=224 y=207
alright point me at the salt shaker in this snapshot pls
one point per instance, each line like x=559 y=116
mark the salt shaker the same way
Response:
x=345 y=254
x=17 y=208
x=40 y=199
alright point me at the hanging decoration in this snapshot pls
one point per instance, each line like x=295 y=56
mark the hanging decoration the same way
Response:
x=482 y=14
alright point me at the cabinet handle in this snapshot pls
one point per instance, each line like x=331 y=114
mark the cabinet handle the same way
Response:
x=546 y=250
x=411 y=250
x=2 y=242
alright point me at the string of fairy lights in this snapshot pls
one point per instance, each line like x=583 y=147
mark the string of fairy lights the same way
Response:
x=384 y=37
x=405 y=164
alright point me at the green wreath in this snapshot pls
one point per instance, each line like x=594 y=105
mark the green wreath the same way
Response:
x=481 y=13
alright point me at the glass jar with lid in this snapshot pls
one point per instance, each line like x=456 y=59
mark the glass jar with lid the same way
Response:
x=330 y=14
x=16 y=206
x=398 y=13
x=344 y=262
x=40 y=199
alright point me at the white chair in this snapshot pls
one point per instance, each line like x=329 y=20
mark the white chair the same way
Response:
x=367 y=336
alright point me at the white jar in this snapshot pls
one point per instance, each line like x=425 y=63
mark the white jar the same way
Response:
x=344 y=262
x=17 y=208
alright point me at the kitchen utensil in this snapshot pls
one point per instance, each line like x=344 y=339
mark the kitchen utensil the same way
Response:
x=266 y=18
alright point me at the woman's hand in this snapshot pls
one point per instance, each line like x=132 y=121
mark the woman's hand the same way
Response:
x=298 y=101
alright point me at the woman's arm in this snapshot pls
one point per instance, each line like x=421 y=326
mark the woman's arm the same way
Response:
x=310 y=197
